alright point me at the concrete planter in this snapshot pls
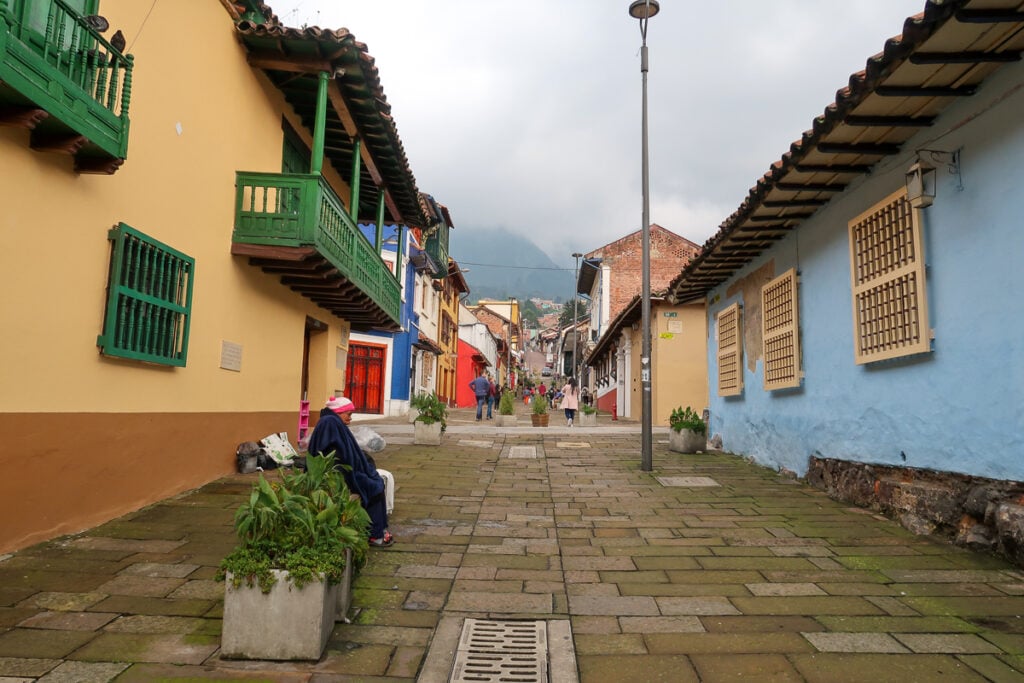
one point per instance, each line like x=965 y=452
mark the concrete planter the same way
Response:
x=288 y=623
x=584 y=420
x=506 y=420
x=344 y=590
x=686 y=441
x=427 y=435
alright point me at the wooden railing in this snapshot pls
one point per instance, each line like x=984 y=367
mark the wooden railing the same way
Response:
x=55 y=58
x=302 y=210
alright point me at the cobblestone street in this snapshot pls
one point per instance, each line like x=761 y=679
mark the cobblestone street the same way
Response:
x=707 y=569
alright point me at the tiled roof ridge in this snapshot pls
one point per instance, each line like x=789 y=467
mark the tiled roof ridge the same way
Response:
x=916 y=29
x=368 y=67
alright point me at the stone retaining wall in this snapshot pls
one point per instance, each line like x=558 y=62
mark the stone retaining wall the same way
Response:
x=979 y=513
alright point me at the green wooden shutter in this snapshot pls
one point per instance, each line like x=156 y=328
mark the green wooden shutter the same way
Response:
x=149 y=304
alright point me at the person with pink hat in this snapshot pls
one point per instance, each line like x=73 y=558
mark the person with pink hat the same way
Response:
x=332 y=434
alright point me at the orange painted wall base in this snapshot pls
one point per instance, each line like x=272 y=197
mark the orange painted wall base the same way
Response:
x=67 y=472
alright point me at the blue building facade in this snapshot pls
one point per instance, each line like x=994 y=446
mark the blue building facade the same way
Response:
x=953 y=402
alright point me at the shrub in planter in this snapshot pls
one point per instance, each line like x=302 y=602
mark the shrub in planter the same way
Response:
x=507 y=410
x=415 y=403
x=687 y=433
x=431 y=422
x=297 y=537
x=587 y=416
x=539 y=413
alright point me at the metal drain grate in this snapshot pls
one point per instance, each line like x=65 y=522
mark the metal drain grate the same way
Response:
x=506 y=651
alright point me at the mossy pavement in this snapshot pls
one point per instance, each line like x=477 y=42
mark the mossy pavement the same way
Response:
x=707 y=569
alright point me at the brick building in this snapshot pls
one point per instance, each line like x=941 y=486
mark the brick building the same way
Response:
x=612 y=275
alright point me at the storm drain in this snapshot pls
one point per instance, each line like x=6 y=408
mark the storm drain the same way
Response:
x=507 y=651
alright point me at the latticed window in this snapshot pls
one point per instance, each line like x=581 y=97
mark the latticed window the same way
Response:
x=780 y=330
x=730 y=351
x=149 y=302
x=887 y=271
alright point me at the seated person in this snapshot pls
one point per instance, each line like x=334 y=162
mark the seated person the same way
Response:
x=332 y=434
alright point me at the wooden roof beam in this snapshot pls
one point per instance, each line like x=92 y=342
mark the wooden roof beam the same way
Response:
x=925 y=90
x=782 y=204
x=832 y=168
x=369 y=163
x=889 y=121
x=870 y=148
x=811 y=187
x=965 y=57
x=989 y=16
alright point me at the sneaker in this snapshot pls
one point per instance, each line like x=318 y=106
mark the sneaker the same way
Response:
x=387 y=541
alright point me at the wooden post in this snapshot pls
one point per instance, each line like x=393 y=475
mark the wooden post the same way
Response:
x=357 y=170
x=316 y=159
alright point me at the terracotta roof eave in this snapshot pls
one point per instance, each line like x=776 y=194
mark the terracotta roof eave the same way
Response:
x=630 y=314
x=916 y=30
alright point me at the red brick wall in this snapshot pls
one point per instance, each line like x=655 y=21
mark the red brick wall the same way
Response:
x=669 y=254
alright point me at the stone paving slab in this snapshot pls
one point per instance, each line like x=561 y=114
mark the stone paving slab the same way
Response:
x=757 y=578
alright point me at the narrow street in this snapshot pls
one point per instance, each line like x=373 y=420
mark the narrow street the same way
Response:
x=707 y=569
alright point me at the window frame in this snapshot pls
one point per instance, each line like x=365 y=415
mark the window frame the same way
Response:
x=780 y=318
x=731 y=353
x=892 y=266
x=149 y=276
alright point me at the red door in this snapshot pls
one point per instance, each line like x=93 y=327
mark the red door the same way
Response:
x=364 y=377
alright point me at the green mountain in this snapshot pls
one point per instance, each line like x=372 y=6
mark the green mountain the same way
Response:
x=501 y=264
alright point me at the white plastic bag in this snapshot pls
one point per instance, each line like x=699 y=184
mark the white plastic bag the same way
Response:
x=279 y=448
x=368 y=440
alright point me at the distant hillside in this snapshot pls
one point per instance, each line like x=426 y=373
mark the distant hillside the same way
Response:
x=512 y=266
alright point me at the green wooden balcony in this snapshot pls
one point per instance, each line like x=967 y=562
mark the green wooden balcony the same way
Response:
x=295 y=225
x=62 y=80
x=437 y=247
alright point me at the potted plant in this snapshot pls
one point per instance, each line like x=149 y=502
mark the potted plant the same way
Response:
x=414 y=405
x=431 y=421
x=298 y=540
x=687 y=433
x=587 y=416
x=539 y=416
x=507 y=410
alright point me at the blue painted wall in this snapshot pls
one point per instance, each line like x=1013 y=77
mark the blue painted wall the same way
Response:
x=959 y=408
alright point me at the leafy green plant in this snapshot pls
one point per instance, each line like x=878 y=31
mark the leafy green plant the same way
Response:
x=588 y=409
x=507 y=404
x=302 y=523
x=540 y=405
x=681 y=419
x=432 y=409
x=419 y=400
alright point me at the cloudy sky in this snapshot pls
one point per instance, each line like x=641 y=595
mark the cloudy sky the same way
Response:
x=525 y=115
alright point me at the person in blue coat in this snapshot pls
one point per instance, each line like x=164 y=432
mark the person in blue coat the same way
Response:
x=480 y=387
x=332 y=434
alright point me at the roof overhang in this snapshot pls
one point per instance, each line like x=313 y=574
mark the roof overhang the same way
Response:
x=588 y=273
x=427 y=344
x=943 y=55
x=293 y=60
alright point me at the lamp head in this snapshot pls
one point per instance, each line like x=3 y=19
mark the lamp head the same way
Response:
x=643 y=9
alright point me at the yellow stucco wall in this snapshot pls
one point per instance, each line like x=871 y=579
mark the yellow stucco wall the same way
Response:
x=679 y=361
x=198 y=114
x=91 y=437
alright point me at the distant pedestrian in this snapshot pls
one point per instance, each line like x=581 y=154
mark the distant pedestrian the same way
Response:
x=480 y=387
x=542 y=389
x=570 y=401
x=492 y=395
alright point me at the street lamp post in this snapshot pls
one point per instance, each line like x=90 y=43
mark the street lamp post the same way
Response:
x=644 y=10
x=575 y=331
x=511 y=306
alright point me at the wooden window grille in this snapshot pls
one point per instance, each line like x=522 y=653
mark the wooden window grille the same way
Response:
x=730 y=351
x=149 y=300
x=887 y=272
x=780 y=330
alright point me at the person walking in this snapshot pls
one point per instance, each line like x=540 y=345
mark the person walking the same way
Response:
x=480 y=387
x=570 y=401
x=492 y=395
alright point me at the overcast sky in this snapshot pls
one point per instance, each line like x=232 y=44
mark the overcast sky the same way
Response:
x=525 y=115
